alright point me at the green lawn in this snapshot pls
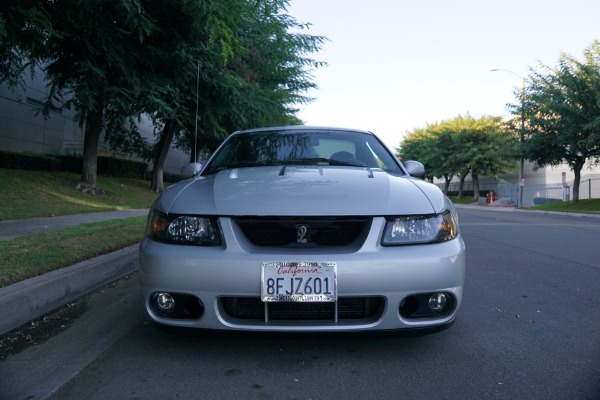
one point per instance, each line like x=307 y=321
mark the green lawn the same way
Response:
x=33 y=255
x=464 y=200
x=29 y=194
x=588 y=206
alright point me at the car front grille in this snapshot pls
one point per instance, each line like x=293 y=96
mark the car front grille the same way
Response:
x=298 y=232
x=348 y=308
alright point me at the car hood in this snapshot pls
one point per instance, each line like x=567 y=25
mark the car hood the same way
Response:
x=302 y=191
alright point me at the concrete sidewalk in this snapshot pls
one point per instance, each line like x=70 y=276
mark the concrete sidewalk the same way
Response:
x=10 y=229
x=32 y=298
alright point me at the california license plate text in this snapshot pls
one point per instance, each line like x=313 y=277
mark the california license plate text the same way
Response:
x=298 y=281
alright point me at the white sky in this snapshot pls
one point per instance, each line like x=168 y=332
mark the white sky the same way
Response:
x=396 y=65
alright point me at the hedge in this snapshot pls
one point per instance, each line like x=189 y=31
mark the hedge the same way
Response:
x=32 y=162
x=108 y=166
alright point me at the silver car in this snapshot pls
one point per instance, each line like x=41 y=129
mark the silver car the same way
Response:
x=303 y=229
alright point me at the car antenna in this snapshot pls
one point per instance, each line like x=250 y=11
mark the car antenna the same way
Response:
x=193 y=168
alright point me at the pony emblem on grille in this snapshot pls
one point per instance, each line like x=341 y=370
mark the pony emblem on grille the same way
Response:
x=302 y=234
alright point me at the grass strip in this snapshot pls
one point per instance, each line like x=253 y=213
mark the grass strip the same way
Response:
x=36 y=254
x=463 y=200
x=29 y=194
x=587 y=206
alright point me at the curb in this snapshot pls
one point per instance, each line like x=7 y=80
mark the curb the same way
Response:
x=32 y=298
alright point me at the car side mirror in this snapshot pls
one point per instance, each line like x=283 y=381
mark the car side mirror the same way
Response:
x=191 y=169
x=415 y=168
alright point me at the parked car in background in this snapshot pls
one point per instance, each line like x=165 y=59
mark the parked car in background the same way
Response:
x=303 y=229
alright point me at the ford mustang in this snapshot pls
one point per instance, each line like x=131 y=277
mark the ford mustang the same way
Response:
x=303 y=229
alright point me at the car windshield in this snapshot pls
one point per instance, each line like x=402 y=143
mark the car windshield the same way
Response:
x=302 y=147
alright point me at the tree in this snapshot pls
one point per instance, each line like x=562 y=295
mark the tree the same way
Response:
x=434 y=147
x=24 y=27
x=461 y=146
x=114 y=61
x=562 y=108
x=490 y=148
x=461 y=142
x=201 y=31
x=87 y=53
x=420 y=145
x=91 y=63
x=249 y=69
x=266 y=78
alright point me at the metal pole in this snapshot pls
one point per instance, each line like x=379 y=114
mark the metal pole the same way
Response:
x=522 y=162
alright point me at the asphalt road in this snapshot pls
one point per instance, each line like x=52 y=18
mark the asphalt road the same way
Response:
x=529 y=328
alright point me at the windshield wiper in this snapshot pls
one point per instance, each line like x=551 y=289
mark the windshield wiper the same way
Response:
x=354 y=163
x=320 y=160
x=305 y=161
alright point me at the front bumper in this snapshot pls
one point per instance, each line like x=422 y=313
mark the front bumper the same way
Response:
x=382 y=279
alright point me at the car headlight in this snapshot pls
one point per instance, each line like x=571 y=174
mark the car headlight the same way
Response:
x=183 y=229
x=420 y=229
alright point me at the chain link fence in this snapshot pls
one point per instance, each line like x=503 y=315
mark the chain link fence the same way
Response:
x=589 y=189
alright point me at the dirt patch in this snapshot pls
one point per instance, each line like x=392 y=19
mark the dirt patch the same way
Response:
x=41 y=329
x=91 y=189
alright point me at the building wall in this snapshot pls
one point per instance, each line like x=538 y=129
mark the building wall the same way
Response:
x=551 y=175
x=23 y=129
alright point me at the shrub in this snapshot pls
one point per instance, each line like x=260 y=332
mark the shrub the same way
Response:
x=108 y=166
x=31 y=162
x=70 y=164
x=119 y=167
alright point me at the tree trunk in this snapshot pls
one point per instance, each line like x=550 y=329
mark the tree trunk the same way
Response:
x=447 y=180
x=461 y=186
x=93 y=128
x=577 y=171
x=475 y=179
x=461 y=183
x=162 y=152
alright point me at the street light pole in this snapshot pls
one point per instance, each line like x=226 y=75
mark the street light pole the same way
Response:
x=522 y=161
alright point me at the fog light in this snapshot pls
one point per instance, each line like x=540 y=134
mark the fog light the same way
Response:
x=438 y=302
x=164 y=302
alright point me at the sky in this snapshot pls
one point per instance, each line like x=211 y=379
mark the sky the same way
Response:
x=396 y=65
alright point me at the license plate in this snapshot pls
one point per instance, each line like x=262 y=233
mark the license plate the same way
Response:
x=298 y=281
